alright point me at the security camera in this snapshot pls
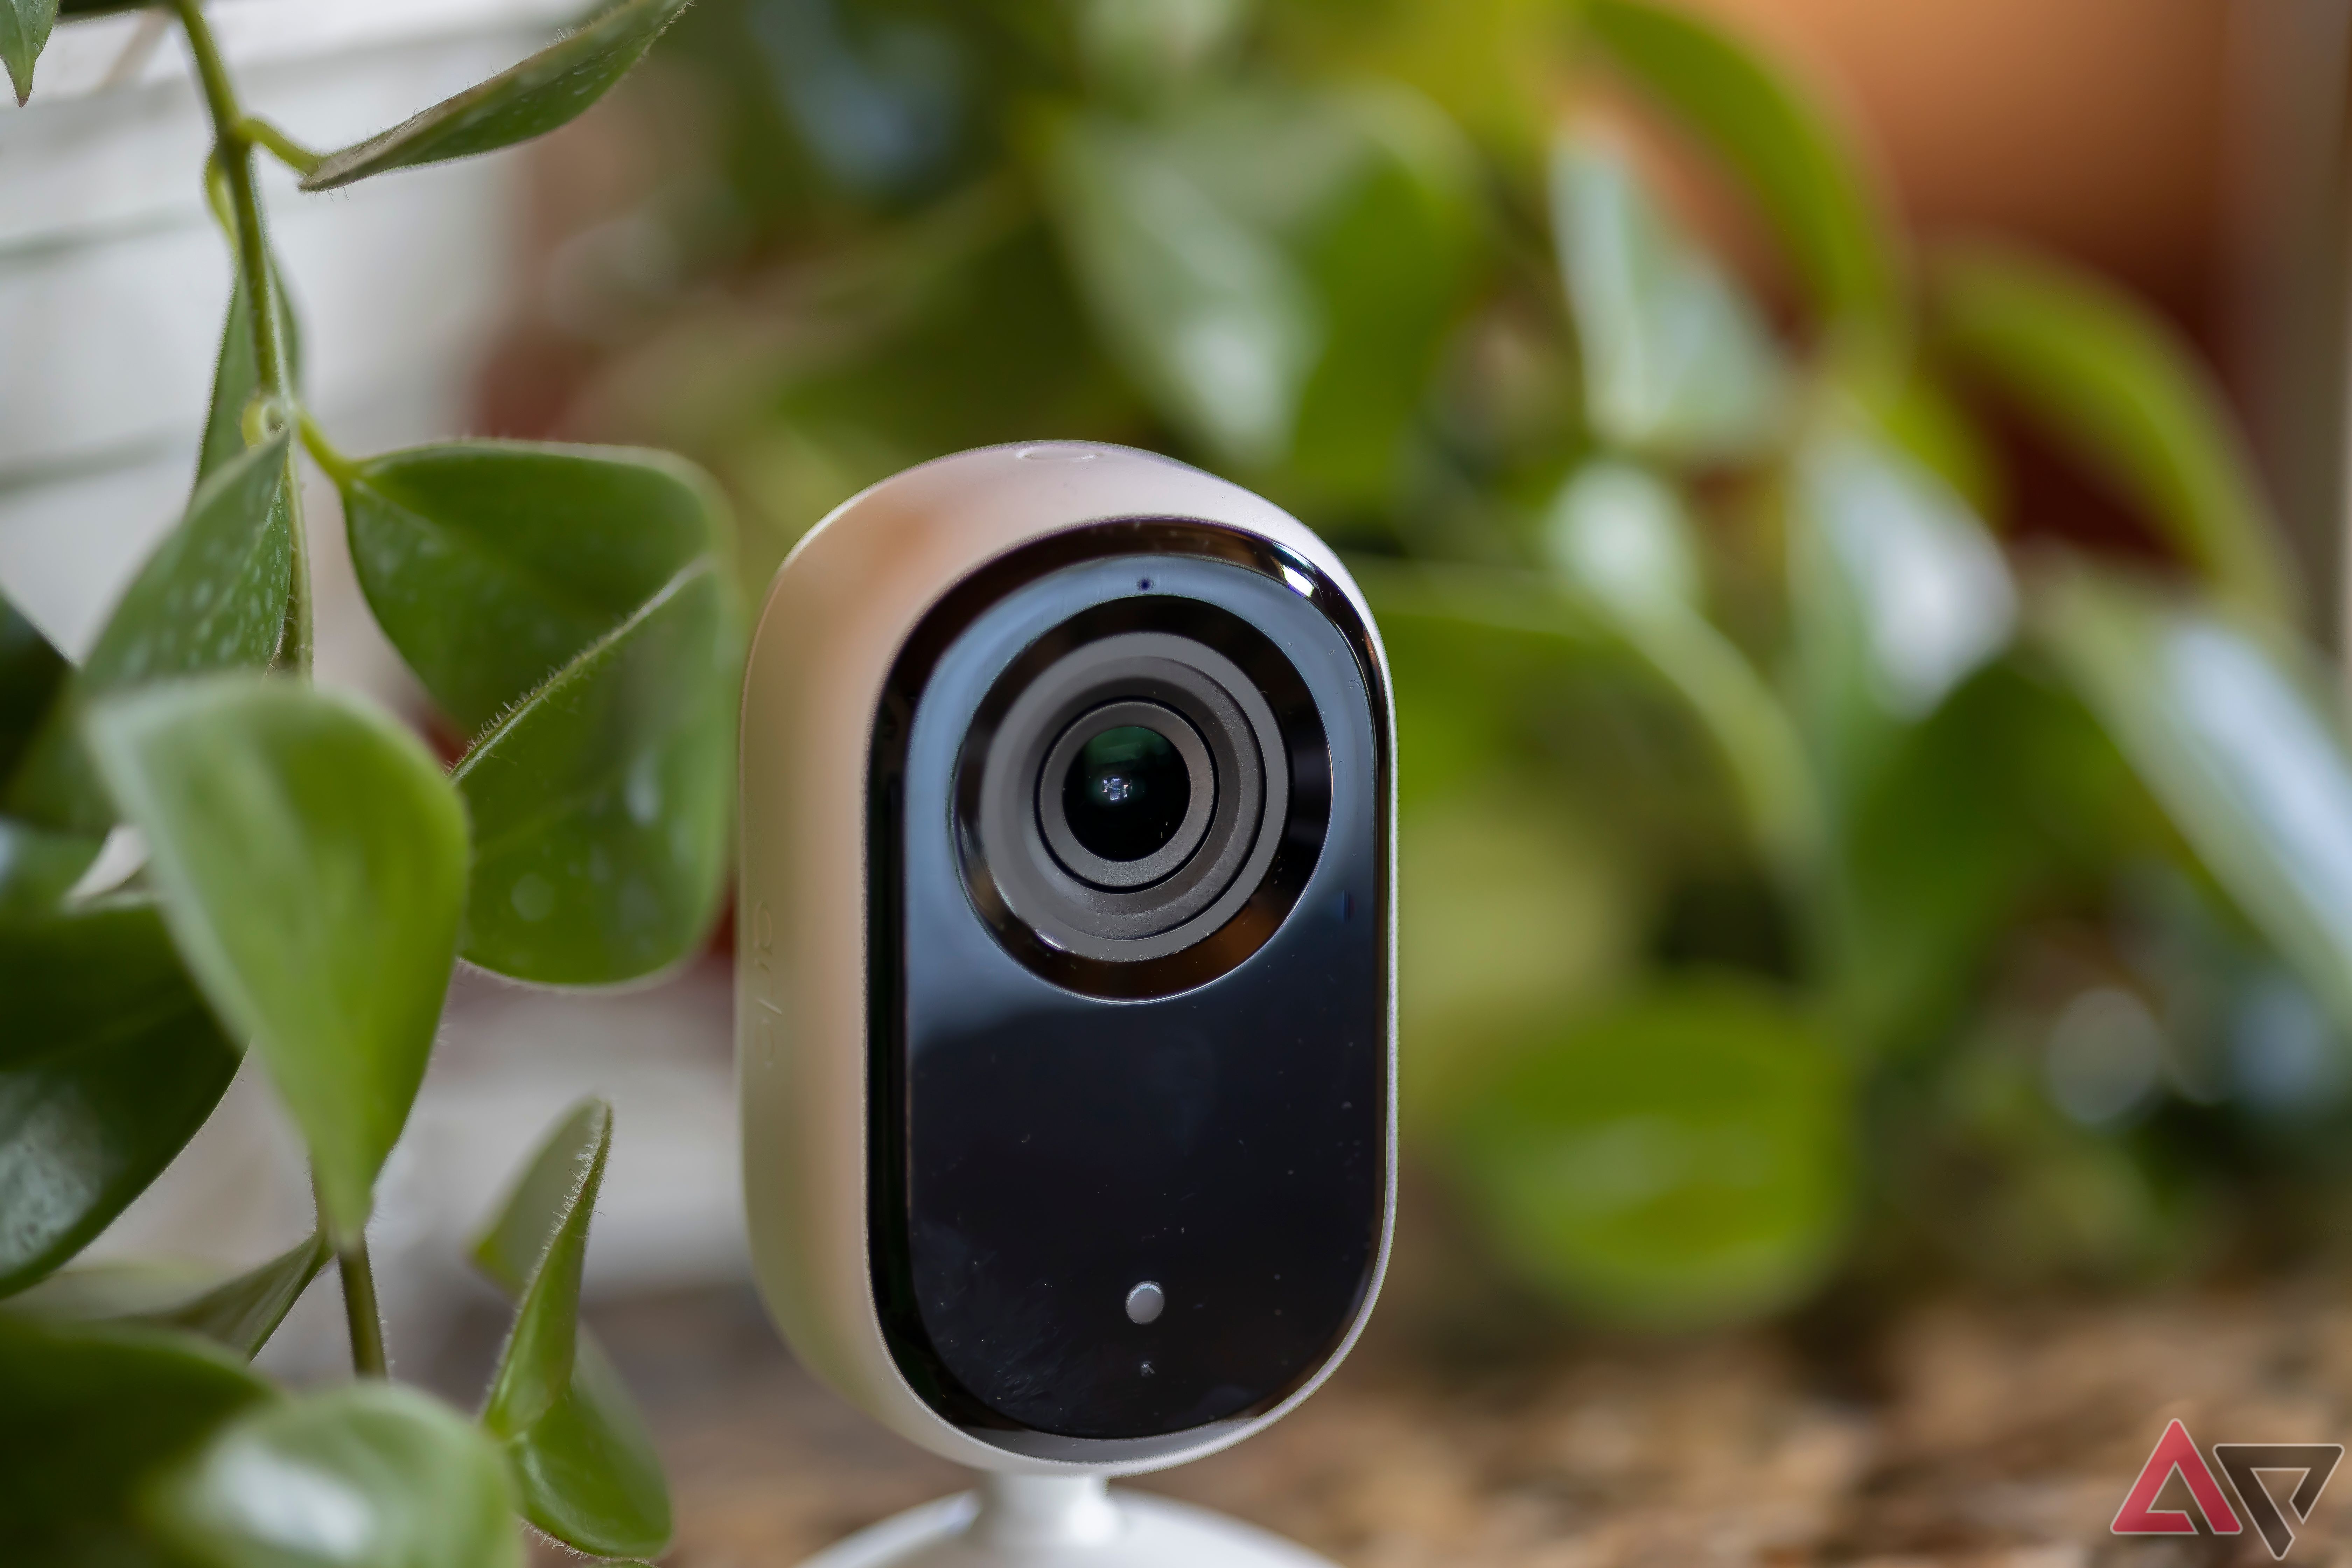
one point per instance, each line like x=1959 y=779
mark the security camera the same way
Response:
x=1066 y=1001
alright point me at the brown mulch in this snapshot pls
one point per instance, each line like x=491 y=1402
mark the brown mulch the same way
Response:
x=1975 y=1433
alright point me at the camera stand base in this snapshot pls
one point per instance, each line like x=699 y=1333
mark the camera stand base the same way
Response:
x=1054 y=1521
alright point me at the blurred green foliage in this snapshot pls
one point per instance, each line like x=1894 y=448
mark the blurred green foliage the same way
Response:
x=1807 y=875
x=201 y=851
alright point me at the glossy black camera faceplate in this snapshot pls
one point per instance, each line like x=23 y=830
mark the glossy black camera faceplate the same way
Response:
x=1040 y=1143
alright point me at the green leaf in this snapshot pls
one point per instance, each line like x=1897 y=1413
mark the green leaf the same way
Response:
x=243 y=1313
x=311 y=858
x=84 y=1129
x=536 y=1248
x=1387 y=256
x=601 y=805
x=115 y=1292
x=1676 y=363
x=87 y=1415
x=1622 y=535
x=1492 y=65
x=32 y=674
x=1519 y=917
x=1274 y=271
x=1465 y=647
x=236 y=375
x=215 y=595
x=369 y=1476
x=1493 y=666
x=1686 y=1158
x=1213 y=320
x=238 y=1313
x=530 y=99
x=109 y=1061
x=1796 y=166
x=1898 y=594
x=2239 y=737
x=582 y=1458
x=2119 y=388
x=37 y=868
x=1911 y=407
x=24 y=32
x=2008 y=796
x=574 y=599
x=490 y=565
x=1147 y=50
x=1619 y=535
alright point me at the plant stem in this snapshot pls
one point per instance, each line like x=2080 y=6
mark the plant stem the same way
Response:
x=217 y=196
x=339 y=469
x=232 y=150
x=290 y=152
x=359 y=1311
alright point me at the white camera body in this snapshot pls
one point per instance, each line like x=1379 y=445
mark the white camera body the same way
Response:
x=1066 y=958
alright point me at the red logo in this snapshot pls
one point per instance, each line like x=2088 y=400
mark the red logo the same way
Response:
x=2242 y=1463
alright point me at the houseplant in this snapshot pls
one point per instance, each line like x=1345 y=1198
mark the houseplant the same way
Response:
x=311 y=875
x=1818 y=864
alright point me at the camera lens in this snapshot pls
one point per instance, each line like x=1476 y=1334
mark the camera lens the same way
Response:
x=1126 y=793
x=1123 y=806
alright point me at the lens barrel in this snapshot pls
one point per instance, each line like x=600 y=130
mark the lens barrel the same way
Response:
x=1127 y=806
x=1126 y=794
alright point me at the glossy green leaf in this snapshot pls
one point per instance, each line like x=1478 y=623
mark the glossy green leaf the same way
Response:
x=582 y=1458
x=369 y=1476
x=110 y=1061
x=311 y=858
x=87 y=1416
x=1686 y=1158
x=573 y=600
x=24 y=32
x=238 y=1313
x=215 y=595
x=84 y=1130
x=2237 y=736
x=1276 y=272
x=1676 y=363
x=1619 y=535
x=1898 y=594
x=1794 y=162
x=530 y=99
x=601 y=806
x=490 y=565
x=2126 y=396
x=32 y=674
